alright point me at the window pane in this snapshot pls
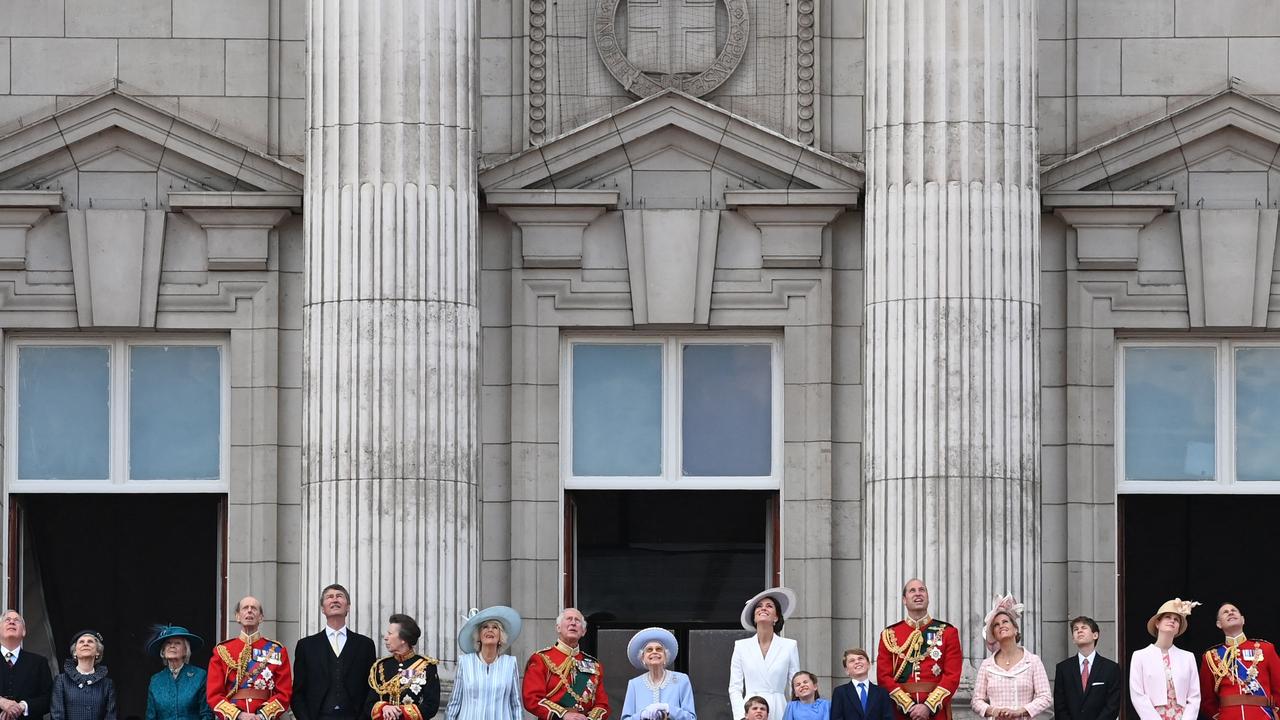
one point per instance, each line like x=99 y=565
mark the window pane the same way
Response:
x=1169 y=413
x=174 y=412
x=617 y=410
x=1257 y=413
x=64 y=411
x=727 y=421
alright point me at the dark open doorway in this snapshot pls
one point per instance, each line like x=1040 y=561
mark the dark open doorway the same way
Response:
x=119 y=564
x=1197 y=547
x=682 y=559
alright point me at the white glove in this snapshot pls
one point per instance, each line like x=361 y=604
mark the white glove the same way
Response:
x=654 y=711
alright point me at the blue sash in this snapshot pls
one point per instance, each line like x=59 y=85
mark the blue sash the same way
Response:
x=1247 y=684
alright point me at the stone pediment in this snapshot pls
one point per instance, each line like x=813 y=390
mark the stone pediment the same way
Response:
x=114 y=150
x=672 y=151
x=1216 y=152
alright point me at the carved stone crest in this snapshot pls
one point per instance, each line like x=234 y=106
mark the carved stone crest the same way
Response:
x=671 y=44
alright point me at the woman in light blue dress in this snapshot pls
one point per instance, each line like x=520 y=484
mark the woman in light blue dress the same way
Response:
x=660 y=693
x=487 y=684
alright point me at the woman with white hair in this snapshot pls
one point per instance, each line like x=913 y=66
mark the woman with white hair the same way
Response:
x=82 y=691
x=178 y=691
x=660 y=693
x=487 y=683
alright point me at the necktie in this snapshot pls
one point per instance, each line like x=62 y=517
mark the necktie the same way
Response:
x=1084 y=674
x=862 y=695
x=8 y=657
x=333 y=643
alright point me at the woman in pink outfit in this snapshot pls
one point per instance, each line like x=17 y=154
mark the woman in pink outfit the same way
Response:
x=1163 y=684
x=1011 y=682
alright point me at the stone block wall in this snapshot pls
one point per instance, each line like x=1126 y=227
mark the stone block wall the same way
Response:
x=1108 y=66
x=235 y=68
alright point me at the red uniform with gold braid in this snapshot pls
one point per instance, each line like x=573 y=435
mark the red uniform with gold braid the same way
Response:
x=561 y=679
x=1238 y=679
x=251 y=674
x=920 y=662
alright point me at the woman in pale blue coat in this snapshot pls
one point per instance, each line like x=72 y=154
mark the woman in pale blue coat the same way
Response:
x=178 y=691
x=487 y=683
x=660 y=693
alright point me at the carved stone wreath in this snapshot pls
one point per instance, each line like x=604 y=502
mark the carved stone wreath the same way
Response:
x=643 y=84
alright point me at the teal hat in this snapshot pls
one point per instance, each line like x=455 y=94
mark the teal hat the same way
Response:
x=165 y=632
x=508 y=617
x=648 y=635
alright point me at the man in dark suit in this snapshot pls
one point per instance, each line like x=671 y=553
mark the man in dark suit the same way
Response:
x=1086 y=685
x=331 y=668
x=25 y=680
x=860 y=699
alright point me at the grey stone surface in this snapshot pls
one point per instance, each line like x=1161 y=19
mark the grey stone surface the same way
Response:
x=125 y=18
x=60 y=66
x=174 y=67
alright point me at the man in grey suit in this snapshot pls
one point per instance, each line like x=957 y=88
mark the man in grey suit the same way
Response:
x=1086 y=686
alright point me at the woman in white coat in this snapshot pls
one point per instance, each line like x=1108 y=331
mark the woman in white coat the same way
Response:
x=764 y=663
x=1163 y=683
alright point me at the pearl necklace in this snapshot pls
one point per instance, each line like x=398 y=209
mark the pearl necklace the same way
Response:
x=656 y=689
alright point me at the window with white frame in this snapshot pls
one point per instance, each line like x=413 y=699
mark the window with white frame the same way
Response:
x=696 y=412
x=96 y=415
x=1198 y=413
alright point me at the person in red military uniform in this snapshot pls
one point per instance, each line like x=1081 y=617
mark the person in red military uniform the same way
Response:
x=249 y=675
x=919 y=659
x=1238 y=678
x=562 y=682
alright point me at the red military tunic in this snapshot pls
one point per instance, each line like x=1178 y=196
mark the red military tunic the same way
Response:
x=920 y=662
x=1238 y=679
x=251 y=674
x=561 y=679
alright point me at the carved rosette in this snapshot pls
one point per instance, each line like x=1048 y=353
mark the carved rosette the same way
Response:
x=805 y=20
x=537 y=71
x=642 y=84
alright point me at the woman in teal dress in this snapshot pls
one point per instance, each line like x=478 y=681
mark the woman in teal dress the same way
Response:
x=178 y=691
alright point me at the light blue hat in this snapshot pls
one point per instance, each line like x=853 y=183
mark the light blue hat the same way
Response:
x=648 y=635
x=509 y=618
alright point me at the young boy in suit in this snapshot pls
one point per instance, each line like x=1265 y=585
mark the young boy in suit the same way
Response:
x=860 y=699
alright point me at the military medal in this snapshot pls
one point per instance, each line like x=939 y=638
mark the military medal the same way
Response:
x=937 y=669
x=935 y=653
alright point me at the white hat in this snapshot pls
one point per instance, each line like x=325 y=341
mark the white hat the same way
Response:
x=785 y=597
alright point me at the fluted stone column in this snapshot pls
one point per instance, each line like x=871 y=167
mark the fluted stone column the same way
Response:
x=391 y=319
x=952 y=310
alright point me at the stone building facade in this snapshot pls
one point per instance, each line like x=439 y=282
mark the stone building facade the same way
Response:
x=640 y=305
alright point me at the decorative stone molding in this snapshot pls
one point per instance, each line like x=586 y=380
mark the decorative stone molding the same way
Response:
x=115 y=261
x=1221 y=251
x=537 y=71
x=806 y=21
x=237 y=225
x=641 y=83
x=20 y=210
x=552 y=221
x=791 y=221
x=671 y=259
x=1107 y=223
